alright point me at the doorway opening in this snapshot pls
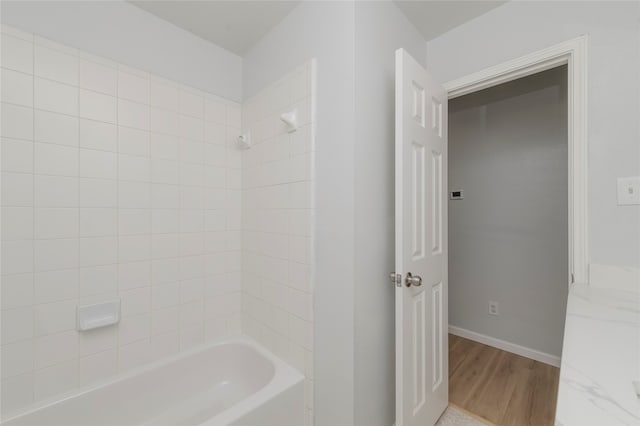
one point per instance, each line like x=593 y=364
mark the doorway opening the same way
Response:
x=508 y=229
x=421 y=276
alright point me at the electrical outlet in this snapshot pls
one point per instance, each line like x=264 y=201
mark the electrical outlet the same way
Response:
x=493 y=308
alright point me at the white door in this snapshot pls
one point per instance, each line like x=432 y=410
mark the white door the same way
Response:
x=422 y=384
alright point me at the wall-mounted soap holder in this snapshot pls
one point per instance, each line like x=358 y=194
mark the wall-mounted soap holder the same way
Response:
x=98 y=315
x=291 y=120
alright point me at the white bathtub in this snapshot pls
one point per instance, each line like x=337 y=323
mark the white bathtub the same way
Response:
x=236 y=382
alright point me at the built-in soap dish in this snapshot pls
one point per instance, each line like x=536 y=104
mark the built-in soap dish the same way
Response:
x=98 y=315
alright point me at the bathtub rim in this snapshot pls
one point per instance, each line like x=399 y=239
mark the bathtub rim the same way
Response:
x=284 y=376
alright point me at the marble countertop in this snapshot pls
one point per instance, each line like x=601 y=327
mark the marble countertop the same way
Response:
x=600 y=358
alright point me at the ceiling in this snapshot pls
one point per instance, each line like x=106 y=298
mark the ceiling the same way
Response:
x=434 y=18
x=236 y=25
x=233 y=25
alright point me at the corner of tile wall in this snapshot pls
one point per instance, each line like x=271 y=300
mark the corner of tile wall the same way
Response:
x=277 y=217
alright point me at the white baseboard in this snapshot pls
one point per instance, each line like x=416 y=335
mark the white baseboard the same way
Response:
x=506 y=346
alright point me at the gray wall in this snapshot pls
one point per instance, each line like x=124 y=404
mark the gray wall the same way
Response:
x=521 y=27
x=508 y=236
x=127 y=34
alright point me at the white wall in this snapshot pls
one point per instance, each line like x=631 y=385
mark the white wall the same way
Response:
x=354 y=317
x=124 y=33
x=324 y=30
x=277 y=200
x=508 y=236
x=520 y=27
x=380 y=29
x=115 y=184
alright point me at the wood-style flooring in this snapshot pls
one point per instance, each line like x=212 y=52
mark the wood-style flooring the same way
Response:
x=503 y=388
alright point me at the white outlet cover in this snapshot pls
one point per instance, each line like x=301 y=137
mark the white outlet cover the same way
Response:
x=629 y=191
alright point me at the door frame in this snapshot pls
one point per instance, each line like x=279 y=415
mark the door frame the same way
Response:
x=572 y=53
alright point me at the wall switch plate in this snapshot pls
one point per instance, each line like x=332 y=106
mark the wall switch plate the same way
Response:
x=629 y=191
x=493 y=308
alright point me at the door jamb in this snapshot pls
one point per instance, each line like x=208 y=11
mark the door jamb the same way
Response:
x=573 y=53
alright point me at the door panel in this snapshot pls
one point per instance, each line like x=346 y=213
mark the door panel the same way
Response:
x=436 y=203
x=420 y=352
x=417 y=207
x=437 y=334
x=421 y=245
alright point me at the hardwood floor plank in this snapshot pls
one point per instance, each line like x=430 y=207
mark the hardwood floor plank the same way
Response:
x=518 y=411
x=543 y=409
x=458 y=351
x=493 y=402
x=500 y=387
x=480 y=390
x=471 y=373
x=453 y=341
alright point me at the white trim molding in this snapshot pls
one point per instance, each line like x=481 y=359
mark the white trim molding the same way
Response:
x=506 y=346
x=573 y=53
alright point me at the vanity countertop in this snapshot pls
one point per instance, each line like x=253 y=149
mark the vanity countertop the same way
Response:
x=600 y=358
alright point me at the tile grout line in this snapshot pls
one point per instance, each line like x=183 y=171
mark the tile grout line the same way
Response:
x=150 y=219
x=78 y=333
x=117 y=214
x=33 y=209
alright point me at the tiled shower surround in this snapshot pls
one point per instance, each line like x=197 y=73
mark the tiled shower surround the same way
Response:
x=277 y=217
x=116 y=183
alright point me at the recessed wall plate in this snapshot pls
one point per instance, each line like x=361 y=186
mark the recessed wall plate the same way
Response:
x=456 y=195
x=493 y=308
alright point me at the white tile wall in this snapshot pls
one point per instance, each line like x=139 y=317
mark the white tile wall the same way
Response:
x=115 y=183
x=277 y=215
